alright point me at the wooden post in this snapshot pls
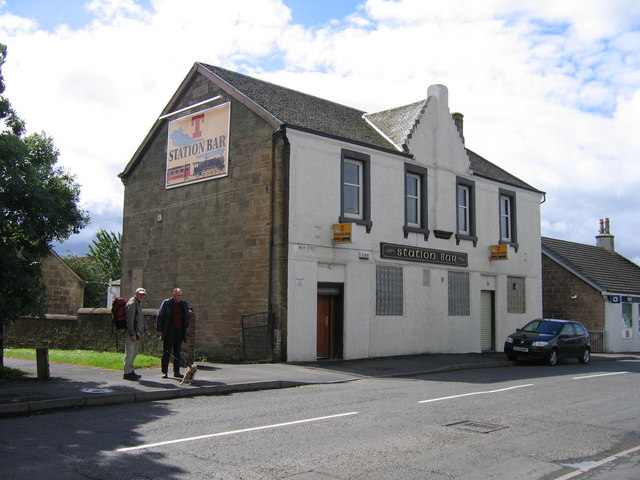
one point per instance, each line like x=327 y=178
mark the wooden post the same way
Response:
x=42 y=361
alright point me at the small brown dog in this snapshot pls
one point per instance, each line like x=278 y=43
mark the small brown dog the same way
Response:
x=189 y=374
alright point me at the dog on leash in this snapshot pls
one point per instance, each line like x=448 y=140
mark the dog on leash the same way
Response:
x=189 y=374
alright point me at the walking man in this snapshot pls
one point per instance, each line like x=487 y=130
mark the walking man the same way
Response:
x=135 y=328
x=172 y=324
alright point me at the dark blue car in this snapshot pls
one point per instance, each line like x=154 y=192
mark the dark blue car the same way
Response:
x=549 y=340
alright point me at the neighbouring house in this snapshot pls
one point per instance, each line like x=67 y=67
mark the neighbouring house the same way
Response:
x=65 y=289
x=340 y=233
x=596 y=286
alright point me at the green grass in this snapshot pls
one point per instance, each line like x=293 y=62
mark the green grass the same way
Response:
x=110 y=360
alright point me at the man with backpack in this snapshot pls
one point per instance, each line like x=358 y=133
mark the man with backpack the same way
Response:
x=135 y=328
x=172 y=324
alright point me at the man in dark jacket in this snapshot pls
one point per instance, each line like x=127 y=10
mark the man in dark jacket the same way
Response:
x=172 y=324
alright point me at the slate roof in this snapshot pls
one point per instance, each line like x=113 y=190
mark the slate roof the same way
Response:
x=607 y=271
x=387 y=130
x=398 y=123
x=304 y=111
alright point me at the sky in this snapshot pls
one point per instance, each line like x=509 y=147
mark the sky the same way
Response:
x=549 y=90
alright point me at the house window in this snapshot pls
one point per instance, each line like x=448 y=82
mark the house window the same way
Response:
x=627 y=315
x=389 y=291
x=352 y=189
x=465 y=210
x=508 y=230
x=355 y=198
x=459 y=294
x=415 y=205
x=516 y=295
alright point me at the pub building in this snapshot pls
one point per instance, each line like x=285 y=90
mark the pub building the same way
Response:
x=301 y=229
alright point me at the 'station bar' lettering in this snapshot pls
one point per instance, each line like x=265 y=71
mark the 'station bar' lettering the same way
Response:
x=427 y=255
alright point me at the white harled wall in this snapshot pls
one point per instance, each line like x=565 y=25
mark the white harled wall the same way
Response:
x=425 y=326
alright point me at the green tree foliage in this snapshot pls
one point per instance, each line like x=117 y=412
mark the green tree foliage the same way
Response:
x=95 y=290
x=38 y=204
x=105 y=253
x=101 y=265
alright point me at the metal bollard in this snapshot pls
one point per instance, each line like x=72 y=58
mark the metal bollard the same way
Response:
x=42 y=361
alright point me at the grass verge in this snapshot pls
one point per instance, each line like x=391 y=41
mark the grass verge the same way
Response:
x=110 y=360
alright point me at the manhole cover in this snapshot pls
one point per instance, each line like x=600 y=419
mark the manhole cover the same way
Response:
x=477 y=427
x=95 y=390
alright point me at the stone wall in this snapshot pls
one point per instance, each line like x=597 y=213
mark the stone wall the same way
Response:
x=90 y=329
x=213 y=239
x=65 y=289
x=567 y=297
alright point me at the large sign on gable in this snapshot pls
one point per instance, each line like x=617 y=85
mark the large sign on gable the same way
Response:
x=198 y=147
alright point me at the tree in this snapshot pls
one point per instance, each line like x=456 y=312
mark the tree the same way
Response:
x=105 y=253
x=38 y=204
x=101 y=265
x=94 y=288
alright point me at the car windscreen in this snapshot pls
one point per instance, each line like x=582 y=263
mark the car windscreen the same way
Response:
x=546 y=327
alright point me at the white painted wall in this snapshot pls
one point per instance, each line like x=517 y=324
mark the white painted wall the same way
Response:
x=619 y=338
x=425 y=326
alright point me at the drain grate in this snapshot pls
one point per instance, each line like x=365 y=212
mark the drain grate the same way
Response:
x=477 y=427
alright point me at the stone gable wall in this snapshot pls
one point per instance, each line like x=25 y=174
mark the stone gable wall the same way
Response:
x=65 y=290
x=212 y=238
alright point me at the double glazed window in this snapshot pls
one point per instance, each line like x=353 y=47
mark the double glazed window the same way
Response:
x=465 y=210
x=415 y=204
x=352 y=171
x=355 y=198
x=508 y=230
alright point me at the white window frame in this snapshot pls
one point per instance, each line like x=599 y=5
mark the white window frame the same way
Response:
x=506 y=212
x=358 y=186
x=463 y=210
x=416 y=199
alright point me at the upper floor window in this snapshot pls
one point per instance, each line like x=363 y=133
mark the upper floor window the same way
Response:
x=508 y=230
x=465 y=210
x=355 y=196
x=352 y=188
x=415 y=205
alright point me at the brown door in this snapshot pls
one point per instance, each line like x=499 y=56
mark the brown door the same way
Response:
x=326 y=314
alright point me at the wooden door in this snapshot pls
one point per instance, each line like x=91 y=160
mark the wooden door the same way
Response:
x=326 y=319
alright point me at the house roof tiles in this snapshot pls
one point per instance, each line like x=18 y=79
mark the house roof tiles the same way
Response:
x=387 y=130
x=608 y=271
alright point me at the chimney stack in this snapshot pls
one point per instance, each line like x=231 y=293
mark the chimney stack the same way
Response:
x=604 y=239
x=457 y=119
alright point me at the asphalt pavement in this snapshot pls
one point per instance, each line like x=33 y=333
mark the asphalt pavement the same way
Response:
x=72 y=386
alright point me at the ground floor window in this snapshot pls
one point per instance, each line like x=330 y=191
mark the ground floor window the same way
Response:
x=389 y=290
x=459 y=304
x=627 y=315
x=516 y=295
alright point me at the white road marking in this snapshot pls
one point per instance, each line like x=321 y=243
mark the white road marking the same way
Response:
x=475 y=393
x=234 y=432
x=604 y=461
x=599 y=375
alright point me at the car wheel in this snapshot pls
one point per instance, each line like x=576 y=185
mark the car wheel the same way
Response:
x=586 y=355
x=552 y=358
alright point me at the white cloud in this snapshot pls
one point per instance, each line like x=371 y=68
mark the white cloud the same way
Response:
x=549 y=89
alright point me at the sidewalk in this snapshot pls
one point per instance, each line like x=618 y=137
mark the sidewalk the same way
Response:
x=73 y=386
